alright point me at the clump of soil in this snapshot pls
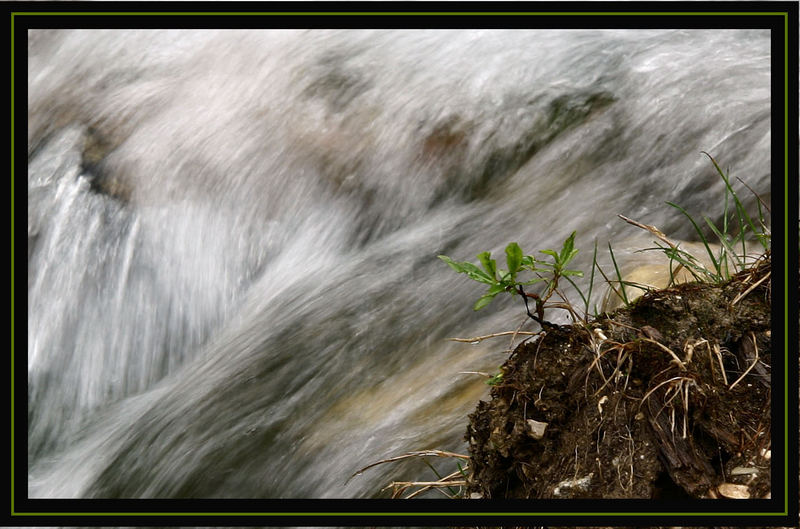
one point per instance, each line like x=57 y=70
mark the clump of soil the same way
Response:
x=666 y=398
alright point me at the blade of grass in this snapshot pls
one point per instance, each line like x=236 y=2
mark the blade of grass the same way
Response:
x=619 y=276
x=744 y=218
x=451 y=489
x=591 y=282
x=760 y=200
x=727 y=245
x=578 y=290
x=690 y=263
x=700 y=233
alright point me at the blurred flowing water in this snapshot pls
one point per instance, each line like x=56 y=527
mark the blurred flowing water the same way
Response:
x=233 y=288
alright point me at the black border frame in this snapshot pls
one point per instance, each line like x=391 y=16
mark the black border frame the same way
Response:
x=783 y=22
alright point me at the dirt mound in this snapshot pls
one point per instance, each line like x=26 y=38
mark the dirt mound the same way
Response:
x=667 y=398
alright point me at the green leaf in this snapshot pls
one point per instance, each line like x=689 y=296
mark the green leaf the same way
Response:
x=470 y=269
x=496 y=289
x=489 y=264
x=568 y=257
x=484 y=300
x=549 y=267
x=572 y=273
x=568 y=250
x=451 y=263
x=591 y=282
x=553 y=253
x=513 y=258
x=489 y=296
x=477 y=274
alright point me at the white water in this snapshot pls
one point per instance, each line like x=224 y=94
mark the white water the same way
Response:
x=252 y=306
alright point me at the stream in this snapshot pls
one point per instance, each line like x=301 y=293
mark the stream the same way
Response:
x=233 y=288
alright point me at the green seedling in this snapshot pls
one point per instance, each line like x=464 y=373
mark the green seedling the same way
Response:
x=498 y=281
x=497 y=378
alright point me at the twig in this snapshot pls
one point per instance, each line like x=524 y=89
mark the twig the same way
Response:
x=652 y=229
x=539 y=318
x=421 y=453
x=493 y=335
x=426 y=485
x=481 y=373
x=658 y=233
x=442 y=483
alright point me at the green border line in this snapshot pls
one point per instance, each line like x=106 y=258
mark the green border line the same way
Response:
x=376 y=514
x=786 y=256
x=13 y=244
x=407 y=13
x=785 y=16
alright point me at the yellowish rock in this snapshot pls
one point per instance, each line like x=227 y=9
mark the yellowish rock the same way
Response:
x=651 y=270
x=734 y=491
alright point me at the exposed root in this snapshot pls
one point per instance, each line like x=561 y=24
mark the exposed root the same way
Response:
x=675 y=358
x=450 y=482
x=718 y=354
x=752 y=287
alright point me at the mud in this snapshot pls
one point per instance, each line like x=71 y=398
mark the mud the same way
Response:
x=666 y=398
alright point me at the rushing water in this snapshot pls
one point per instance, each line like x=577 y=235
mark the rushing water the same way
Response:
x=233 y=288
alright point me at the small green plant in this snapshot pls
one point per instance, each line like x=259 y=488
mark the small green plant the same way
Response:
x=725 y=259
x=732 y=253
x=497 y=378
x=549 y=272
x=730 y=257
